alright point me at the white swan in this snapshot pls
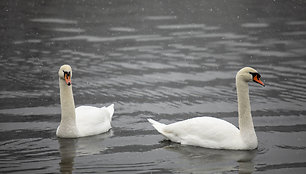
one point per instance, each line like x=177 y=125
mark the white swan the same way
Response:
x=215 y=133
x=84 y=120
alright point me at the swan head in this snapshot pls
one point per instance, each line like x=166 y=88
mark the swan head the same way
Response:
x=249 y=74
x=65 y=73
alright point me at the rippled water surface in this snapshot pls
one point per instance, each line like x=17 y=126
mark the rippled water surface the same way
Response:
x=168 y=60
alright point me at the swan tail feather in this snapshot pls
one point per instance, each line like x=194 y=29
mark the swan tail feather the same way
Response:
x=165 y=131
x=111 y=110
x=157 y=125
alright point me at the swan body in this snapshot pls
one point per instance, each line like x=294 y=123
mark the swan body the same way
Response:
x=83 y=120
x=210 y=132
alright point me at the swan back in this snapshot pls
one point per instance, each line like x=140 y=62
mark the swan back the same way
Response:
x=92 y=120
x=206 y=132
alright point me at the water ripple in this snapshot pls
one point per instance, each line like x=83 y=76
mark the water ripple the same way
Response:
x=54 y=20
x=112 y=39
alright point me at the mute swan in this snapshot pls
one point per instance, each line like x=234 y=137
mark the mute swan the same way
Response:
x=84 y=120
x=215 y=133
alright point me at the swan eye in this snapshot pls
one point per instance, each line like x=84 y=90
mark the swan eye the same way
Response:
x=255 y=74
x=66 y=73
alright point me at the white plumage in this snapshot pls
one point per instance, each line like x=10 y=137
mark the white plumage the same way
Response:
x=201 y=131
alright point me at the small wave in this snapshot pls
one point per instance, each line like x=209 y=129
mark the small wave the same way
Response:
x=160 y=17
x=255 y=25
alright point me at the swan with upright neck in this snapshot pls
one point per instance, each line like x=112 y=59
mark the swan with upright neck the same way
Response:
x=83 y=120
x=210 y=132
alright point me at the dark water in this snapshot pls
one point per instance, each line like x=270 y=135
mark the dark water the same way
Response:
x=168 y=60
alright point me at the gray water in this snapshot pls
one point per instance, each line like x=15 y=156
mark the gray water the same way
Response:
x=163 y=59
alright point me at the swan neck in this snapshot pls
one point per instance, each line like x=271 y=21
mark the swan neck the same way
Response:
x=67 y=105
x=244 y=107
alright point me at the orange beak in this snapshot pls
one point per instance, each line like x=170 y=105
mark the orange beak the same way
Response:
x=257 y=80
x=68 y=79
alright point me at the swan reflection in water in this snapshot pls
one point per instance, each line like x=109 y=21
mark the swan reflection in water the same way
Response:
x=71 y=148
x=211 y=160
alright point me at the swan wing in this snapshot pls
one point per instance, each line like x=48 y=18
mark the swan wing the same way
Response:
x=202 y=131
